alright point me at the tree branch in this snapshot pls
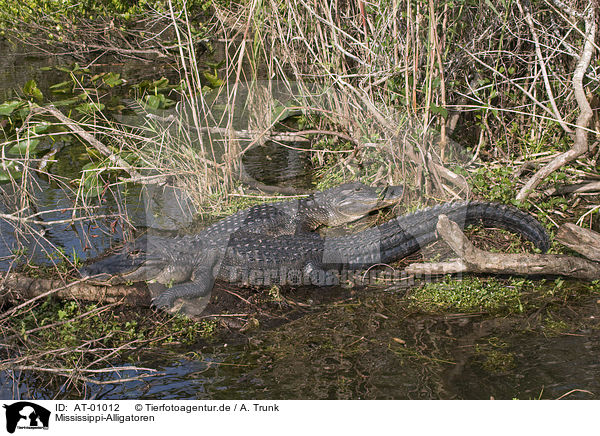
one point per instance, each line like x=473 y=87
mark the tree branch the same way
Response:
x=474 y=260
x=580 y=145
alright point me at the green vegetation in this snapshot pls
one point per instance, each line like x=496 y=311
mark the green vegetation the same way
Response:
x=470 y=295
x=494 y=358
x=61 y=13
x=500 y=296
x=82 y=333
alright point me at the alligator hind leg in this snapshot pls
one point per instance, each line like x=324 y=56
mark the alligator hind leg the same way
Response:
x=200 y=286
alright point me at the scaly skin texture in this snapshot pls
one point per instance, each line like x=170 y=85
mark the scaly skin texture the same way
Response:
x=259 y=259
x=168 y=260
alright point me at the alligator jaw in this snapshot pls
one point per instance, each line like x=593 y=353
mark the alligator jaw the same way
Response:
x=390 y=194
x=361 y=204
x=122 y=268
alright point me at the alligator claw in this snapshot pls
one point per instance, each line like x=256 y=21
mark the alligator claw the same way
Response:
x=164 y=301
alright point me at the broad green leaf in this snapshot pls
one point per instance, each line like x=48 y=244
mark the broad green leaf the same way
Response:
x=10 y=171
x=113 y=79
x=161 y=84
x=75 y=68
x=31 y=90
x=154 y=101
x=62 y=87
x=8 y=107
x=91 y=185
x=67 y=102
x=89 y=108
x=91 y=166
x=40 y=127
x=117 y=107
x=21 y=147
x=439 y=110
x=213 y=80
x=214 y=65
x=158 y=101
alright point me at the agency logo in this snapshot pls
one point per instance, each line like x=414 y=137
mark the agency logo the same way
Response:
x=26 y=415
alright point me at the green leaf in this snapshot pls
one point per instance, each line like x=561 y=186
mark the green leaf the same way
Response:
x=95 y=77
x=40 y=127
x=89 y=108
x=67 y=102
x=112 y=79
x=10 y=171
x=439 y=110
x=91 y=185
x=62 y=87
x=161 y=84
x=214 y=65
x=31 y=90
x=154 y=101
x=21 y=147
x=158 y=101
x=213 y=80
x=91 y=166
x=8 y=107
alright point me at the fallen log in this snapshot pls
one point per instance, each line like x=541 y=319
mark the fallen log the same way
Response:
x=583 y=241
x=474 y=260
x=16 y=288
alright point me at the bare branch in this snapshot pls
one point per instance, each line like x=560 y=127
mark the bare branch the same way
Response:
x=583 y=241
x=89 y=138
x=580 y=145
x=538 y=52
x=474 y=260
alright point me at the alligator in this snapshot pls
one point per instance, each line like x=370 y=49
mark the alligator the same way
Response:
x=332 y=207
x=194 y=264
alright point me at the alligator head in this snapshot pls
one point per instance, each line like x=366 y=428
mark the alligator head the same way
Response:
x=351 y=201
x=125 y=266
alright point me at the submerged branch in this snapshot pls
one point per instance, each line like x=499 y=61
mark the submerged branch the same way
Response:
x=90 y=139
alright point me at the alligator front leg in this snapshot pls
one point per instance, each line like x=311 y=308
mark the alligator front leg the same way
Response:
x=200 y=286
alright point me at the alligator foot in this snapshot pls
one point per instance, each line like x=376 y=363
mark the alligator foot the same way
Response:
x=200 y=286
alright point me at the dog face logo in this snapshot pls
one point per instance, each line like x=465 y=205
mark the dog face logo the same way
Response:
x=26 y=415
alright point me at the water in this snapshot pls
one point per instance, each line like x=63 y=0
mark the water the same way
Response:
x=375 y=349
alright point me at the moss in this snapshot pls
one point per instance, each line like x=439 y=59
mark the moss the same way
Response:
x=498 y=362
x=469 y=295
x=554 y=327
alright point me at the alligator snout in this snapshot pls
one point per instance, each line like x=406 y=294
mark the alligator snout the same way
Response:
x=392 y=194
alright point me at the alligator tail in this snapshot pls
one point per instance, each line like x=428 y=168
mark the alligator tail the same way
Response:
x=408 y=234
